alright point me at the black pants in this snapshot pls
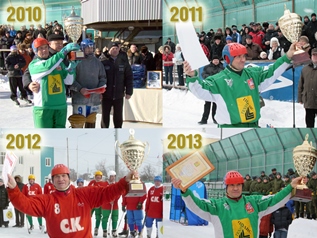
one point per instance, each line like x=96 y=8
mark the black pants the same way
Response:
x=207 y=111
x=117 y=112
x=310 y=117
x=14 y=83
x=180 y=70
x=19 y=217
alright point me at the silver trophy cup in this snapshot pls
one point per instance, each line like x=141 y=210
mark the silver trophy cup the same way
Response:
x=73 y=25
x=133 y=154
x=304 y=157
x=291 y=27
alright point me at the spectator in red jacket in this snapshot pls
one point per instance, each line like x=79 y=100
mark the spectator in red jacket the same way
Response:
x=168 y=64
x=266 y=226
x=67 y=210
x=257 y=35
x=154 y=206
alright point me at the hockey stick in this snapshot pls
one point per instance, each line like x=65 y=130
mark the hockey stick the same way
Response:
x=110 y=219
x=141 y=233
x=121 y=218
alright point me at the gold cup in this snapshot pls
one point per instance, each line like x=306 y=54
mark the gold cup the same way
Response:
x=304 y=157
x=291 y=27
x=73 y=25
x=133 y=154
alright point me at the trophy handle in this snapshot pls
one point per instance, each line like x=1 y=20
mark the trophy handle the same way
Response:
x=116 y=145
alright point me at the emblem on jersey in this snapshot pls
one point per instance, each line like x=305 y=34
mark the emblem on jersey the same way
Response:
x=249 y=208
x=55 y=84
x=250 y=83
x=59 y=68
x=246 y=109
x=226 y=206
x=229 y=82
x=242 y=228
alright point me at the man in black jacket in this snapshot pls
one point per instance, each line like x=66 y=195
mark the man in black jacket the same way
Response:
x=4 y=203
x=19 y=216
x=14 y=63
x=119 y=85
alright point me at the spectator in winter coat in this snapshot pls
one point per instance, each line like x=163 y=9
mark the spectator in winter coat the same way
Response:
x=247 y=183
x=28 y=40
x=311 y=30
x=168 y=64
x=4 y=203
x=26 y=56
x=158 y=59
x=19 y=216
x=147 y=58
x=179 y=60
x=18 y=38
x=312 y=185
x=14 y=63
x=275 y=50
x=213 y=68
x=134 y=56
x=246 y=32
x=154 y=206
x=67 y=210
x=266 y=226
x=171 y=44
x=119 y=85
x=268 y=36
x=217 y=47
x=253 y=49
x=236 y=37
x=277 y=183
x=306 y=90
x=281 y=219
x=257 y=35
x=306 y=20
x=235 y=215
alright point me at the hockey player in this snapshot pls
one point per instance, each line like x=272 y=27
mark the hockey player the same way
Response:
x=80 y=183
x=32 y=189
x=97 y=182
x=154 y=206
x=235 y=215
x=110 y=209
x=236 y=89
x=67 y=210
x=134 y=206
x=90 y=74
x=50 y=107
x=49 y=186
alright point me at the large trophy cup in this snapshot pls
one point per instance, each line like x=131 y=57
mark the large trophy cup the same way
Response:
x=73 y=25
x=291 y=27
x=304 y=157
x=133 y=154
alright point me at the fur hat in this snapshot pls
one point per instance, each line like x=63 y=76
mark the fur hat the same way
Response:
x=274 y=39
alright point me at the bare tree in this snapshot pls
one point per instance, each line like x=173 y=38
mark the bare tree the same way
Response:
x=73 y=175
x=101 y=166
x=148 y=173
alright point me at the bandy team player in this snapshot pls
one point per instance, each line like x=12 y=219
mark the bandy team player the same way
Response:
x=67 y=210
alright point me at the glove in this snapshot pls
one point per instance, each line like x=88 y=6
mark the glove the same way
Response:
x=72 y=65
x=139 y=206
x=87 y=96
x=70 y=47
x=123 y=208
x=101 y=90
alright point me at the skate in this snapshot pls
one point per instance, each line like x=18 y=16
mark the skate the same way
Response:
x=27 y=100
x=124 y=233
x=30 y=229
x=17 y=103
x=42 y=229
x=114 y=233
x=96 y=232
x=133 y=234
x=104 y=233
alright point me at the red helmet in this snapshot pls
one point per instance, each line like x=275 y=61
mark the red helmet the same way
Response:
x=60 y=169
x=231 y=50
x=39 y=42
x=233 y=177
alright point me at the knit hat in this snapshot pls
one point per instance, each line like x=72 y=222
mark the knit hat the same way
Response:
x=313 y=15
x=53 y=37
x=112 y=44
x=229 y=38
x=249 y=37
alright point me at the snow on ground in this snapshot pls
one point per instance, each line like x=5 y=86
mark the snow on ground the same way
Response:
x=22 y=117
x=182 y=109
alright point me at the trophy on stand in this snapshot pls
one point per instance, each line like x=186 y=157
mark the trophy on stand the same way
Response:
x=304 y=157
x=133 y=154
x=73 y=25
x=291 y=27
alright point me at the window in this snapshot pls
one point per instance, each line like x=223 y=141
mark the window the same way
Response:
x=32 y=170
x=48 y=162
x=21 y=159
x=2 y=156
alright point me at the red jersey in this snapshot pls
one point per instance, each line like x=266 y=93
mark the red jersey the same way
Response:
x=154 y=202
x=49 y=188
x=98 y=184
x=67 y=213
x=30 y=190
x=132 y=202
x=113 y=204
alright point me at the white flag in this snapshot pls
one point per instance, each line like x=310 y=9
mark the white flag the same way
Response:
x=8 y=166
